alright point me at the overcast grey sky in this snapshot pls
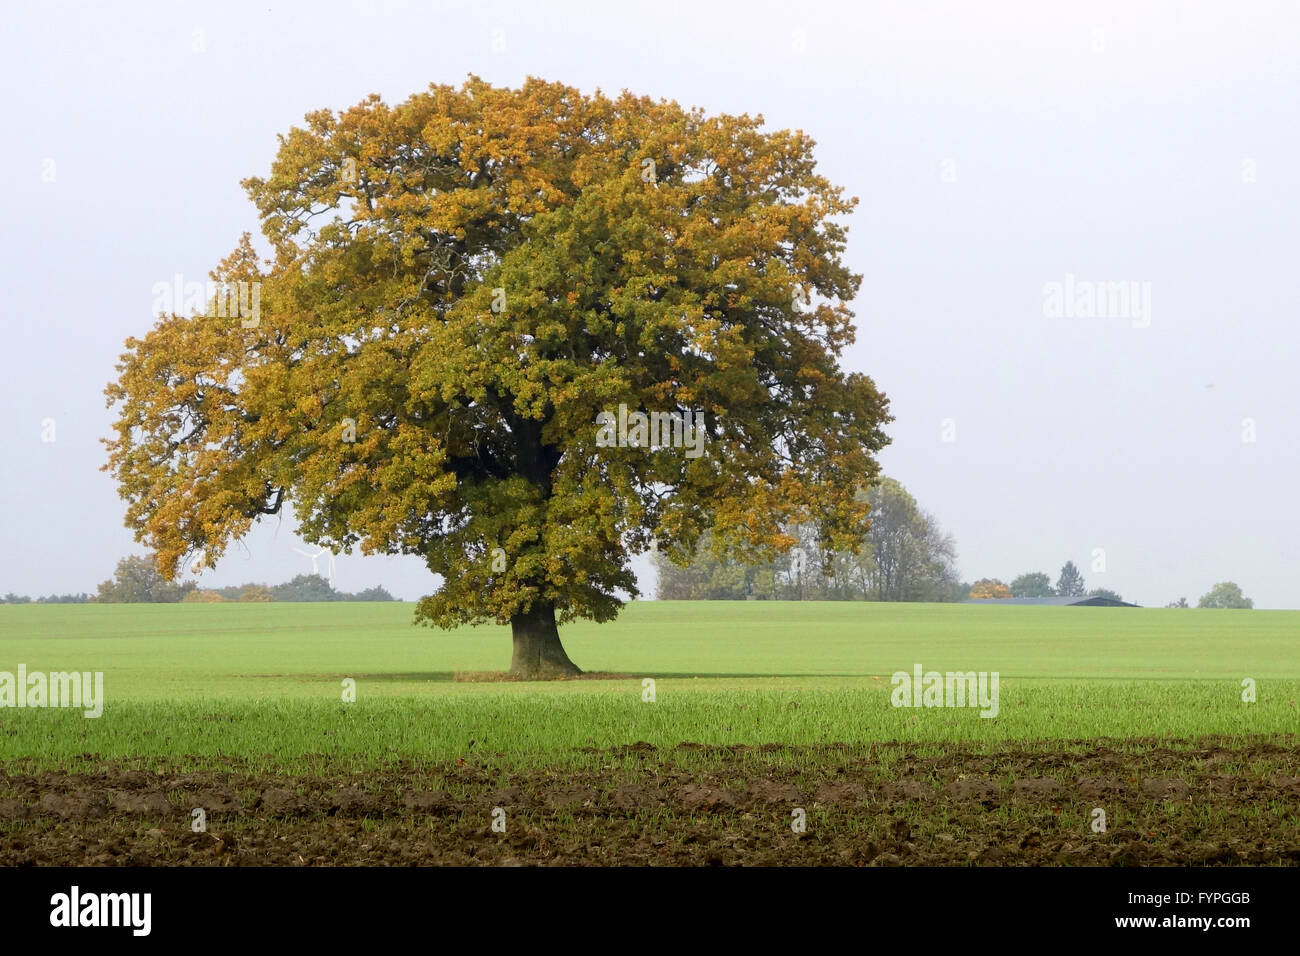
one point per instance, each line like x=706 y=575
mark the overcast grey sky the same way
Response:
x=996 y=149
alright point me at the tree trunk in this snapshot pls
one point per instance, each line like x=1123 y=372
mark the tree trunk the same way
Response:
x=539 y=655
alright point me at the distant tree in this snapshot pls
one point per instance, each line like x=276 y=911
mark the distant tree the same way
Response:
x=12 y=598
x=909 y=558
x=1070 y=583
x=674 y=581
x=82 y=598
x=989 y=588
x=1104 y=593
x=138 y=581
x=370 y=594
x=805 y=572
x=799 y=574
x=256 y=594
x=202 y=597
x=1225 y=595
x=1181 y=602
x=905 y=556
x=810 y=571
x=1032 y=585
x=712 y=577
x=306 y=587
x=762 y=586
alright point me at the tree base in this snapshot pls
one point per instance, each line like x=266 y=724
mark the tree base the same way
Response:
x=538 y=653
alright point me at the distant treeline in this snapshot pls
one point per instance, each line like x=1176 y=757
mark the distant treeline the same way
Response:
x=12 y=598
x=137 y=581
x=305 y=587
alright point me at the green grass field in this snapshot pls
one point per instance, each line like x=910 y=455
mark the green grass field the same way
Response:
x=201 y=682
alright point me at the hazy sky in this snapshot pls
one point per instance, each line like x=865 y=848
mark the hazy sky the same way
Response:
x=996 y=148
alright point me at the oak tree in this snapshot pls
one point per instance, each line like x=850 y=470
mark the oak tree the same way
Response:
x=455 y=288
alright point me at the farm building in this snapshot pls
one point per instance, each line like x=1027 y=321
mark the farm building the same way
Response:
x=1055 y=601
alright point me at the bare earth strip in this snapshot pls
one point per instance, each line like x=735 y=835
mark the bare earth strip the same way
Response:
x=1167 y=802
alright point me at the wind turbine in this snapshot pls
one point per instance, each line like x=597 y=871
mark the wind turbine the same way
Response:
x=314 y=569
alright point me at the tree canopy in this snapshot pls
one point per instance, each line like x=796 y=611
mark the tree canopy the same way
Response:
x=989 y=589
x=1070 y=583
x=457 y=287
x=1226 y=594
x=137 y=580
x=1035 y=584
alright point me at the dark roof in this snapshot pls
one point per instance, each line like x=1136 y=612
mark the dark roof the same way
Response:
x=1055 y=601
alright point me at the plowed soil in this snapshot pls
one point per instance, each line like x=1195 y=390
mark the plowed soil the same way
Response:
x=1165 y=803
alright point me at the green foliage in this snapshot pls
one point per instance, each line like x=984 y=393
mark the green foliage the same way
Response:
x=12 y=598
x=1070 y=583
x=306 y=587
x=1035 y=584
x=376 y=593
x=137 y=580
x=1226 y=594
x=1104 y=593
x=302 y=588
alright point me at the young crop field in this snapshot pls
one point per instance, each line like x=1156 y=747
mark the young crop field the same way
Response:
x=756 y=714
